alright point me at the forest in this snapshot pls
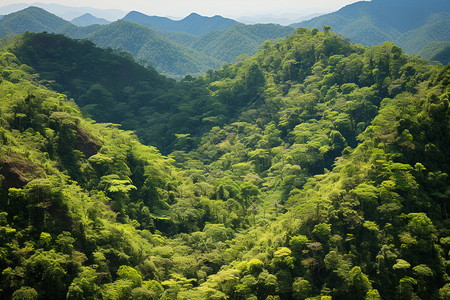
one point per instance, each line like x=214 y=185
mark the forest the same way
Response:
x=315 y=169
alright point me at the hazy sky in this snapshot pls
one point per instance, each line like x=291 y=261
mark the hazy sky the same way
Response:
x=180 y=8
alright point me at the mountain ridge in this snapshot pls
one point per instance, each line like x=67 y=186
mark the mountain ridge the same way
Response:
x=193 y=23
x=66 y=12
x=191 y=55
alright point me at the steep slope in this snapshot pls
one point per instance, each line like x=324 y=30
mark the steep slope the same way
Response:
x=68 y=188
x=88 y=19
x=407 y=23
x=193 y=24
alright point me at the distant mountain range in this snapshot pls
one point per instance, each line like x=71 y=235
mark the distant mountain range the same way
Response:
x=414 y=25
x=66 y=12
x=284 y=20
x=172 y=53
x=194 y=23
x=197 y=43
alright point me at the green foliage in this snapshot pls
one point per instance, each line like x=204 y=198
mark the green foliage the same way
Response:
x=25 y=292
x=255 y=266
x=129 y=273
x=301 y=288
x=330 y=181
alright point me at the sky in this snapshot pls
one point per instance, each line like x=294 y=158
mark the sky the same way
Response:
x=228 y=8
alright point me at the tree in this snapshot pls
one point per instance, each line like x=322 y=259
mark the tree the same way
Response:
x=301 y=288
x=84 y=285
x=248 y=193
x=359 y=283
x=65 y=242
x=25 y=293
x=255 y=266
x=406 y=288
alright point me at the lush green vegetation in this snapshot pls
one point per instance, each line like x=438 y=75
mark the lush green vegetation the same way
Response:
x=413 y=25
x=113 y=88
x=151 y=48
x=324 y=175
x=437 y=51
x=227 y=45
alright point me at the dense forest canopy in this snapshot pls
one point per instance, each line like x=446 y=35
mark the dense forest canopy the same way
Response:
x=316 y=169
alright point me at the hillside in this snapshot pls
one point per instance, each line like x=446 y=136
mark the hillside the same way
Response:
x=228 y=44
x=193 y=24
x=59 y=232
x=435 y=29
x=410 y=24
x=151 y=48
x=118 y=89
x=436 y=51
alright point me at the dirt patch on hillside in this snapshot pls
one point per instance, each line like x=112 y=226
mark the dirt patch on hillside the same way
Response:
x=17 y=172
x=87 y=144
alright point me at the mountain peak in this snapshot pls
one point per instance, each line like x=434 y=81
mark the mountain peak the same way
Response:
x=34 y=9
x=36 y=20
x=135 y=12
x=194 y=15
x=89 y=19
